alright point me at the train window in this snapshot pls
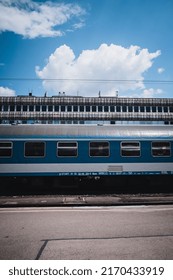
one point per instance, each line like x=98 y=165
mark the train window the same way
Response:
x=130 y=149
x=99 y=149
x=6 y=149
x=161 y=149
x=34 y=149
x=67 y=149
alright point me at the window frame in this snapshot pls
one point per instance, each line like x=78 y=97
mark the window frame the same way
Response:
x=10 y=148
x=130 y=143
x=67 y=142
x=34 y=156
x=99 y=156
x=162 y=149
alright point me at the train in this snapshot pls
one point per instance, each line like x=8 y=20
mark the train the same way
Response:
x=85 y=152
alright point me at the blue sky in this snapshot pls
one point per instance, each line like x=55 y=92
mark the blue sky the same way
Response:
x=87 y=46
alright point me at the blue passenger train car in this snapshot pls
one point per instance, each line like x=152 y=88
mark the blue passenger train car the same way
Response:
x=85 y=151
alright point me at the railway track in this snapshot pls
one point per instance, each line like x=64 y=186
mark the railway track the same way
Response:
x=85 y=200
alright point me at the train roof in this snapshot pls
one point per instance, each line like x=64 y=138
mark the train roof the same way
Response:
x=85 y=131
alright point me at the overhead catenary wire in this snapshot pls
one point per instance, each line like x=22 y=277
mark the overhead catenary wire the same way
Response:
x=87 y=80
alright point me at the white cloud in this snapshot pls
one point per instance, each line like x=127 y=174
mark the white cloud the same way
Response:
x=37 y=19
x=160 y=70
x=108 y=62
x=5 y=91
x=151 y=92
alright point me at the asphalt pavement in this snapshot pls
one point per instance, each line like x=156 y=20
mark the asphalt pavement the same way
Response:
x=87 y=233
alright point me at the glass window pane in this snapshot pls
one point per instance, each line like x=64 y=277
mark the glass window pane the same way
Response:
x=67 y=149
x=34 y=149
x=99 y=149
x=11 y=108
x=44 y=108
x=56 y=108
x=130 y=109
x=130 y=149
x=87 y=108
x=18 y=108
x=93 y=108
x=106 y=109
x=161 y=149
x=50 y=108
x=75 y=108
x=69 y=108
x=112 y=109
x=5 y=108
x=25 y=107
x=31 y=108
x=81 y=108
x=100 y=108
x=37 y=108
x=136 y=109
x=118 y=108
x=124 y=109
x=6 y=149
